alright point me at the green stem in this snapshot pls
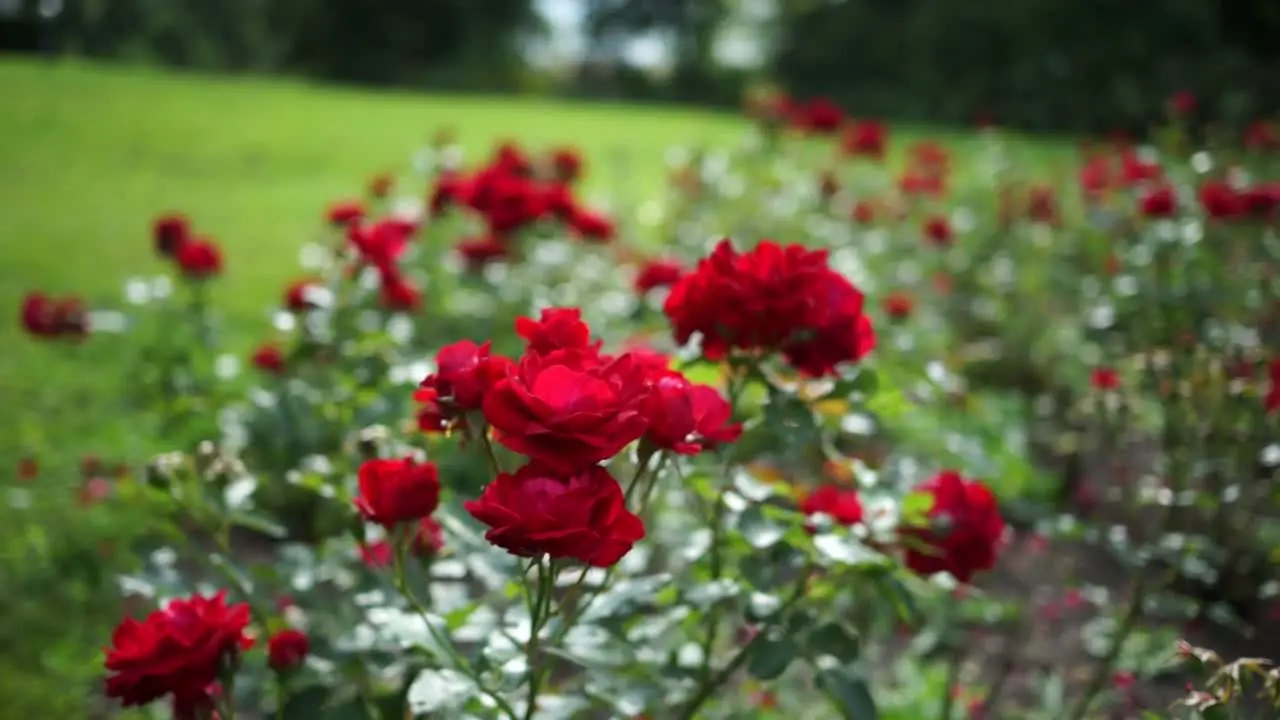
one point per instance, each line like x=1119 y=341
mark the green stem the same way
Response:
x=541 y=604
x=455 y=656
x=711 y=683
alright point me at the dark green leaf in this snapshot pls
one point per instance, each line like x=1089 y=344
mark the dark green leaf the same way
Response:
x=865 y=382
x=771 y=656
x=834 y=639
x=306 y=704
x=266 y=526
x=848 y=691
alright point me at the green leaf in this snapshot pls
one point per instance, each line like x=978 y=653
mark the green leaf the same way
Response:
x=848 y=691
x=307 y=704
x=443 y=689
x=759 y=531
x=771 y=656
x=261 y=524
x=865 y=382
x=834 y=639
x=916 y=507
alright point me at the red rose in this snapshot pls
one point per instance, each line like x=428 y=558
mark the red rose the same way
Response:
x=937 y=230
x=269 y=359
x=287 y=649
x=1221 y=201
x=464 y=373
x=864 y=212
x=566 y=164
x=842 y=505
x=345 y=212
x=198 y=259
x=658 y=273
x=865 y=138
x=898 y=306
x=179 y=650
x=376 y=554
x=1158 y=202
x=169 y=232
x=569 y=409
x=396 y=491
x=922 y=182
x=428 y=539
x=1105 y=378
x=536 y=511
x=382 y=243
x=820 y=115
x=555 y=329
x=45 y=317
x=836 y=330
x=509 y=157
x=301 y=295
x=512 y=202
x=451 y=188
x=1134 y=170
x=590 y=225
x=1261 y=200
x=398 y=294
x=965 y=528
x=478 y=252
x=1262 y=136
x=1182 y=103
x=771 y=298
x=687 y=418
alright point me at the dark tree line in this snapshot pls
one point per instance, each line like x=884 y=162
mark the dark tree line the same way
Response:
x=1051 y=64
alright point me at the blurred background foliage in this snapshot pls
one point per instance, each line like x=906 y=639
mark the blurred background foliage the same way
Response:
x=1054 y=65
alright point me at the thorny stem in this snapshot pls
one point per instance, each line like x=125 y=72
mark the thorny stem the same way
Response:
x=541 y=604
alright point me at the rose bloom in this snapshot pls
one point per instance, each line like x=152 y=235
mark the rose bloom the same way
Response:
x=538 y=511
x=841 y=504
x=1104 y=378
x=938 y=231
x=428 y=539
x=1158 y=202
x=177 y=651
x=1042 y=205
x=198 y=259
x=169 y=231
x=658 y=273
x=345 y=212
x=569 y=409
x=749 y=300
x=866 y=138
x=300 y=296
x=1135 y=170
x=864 y=212
x=1221 y=201
x=566 y=164
x=464 y=373
x=397 y=491
x=287 y=649
x=965 y=529
x=376 y=554
x=687 y=418
x=381 y=243
x=478 y=252
x=836 y=330
x=398 y=294
x=819 y=115
x=54 y=318
x=555 y=329
x=269 y=359
x=591 y=226
x=1182 y=103
x=898 y=305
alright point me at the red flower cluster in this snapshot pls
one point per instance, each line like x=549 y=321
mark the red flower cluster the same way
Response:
x=567 y=406
x=818 y=115
x=345 y=212
x=49 y=318
x=842 y=505
x=177 y=651
x=269 y=359
x=197 y=258
x=866 y=138
x=773 y=298
x=964 y=532
x=380 y=245
x=508 y=195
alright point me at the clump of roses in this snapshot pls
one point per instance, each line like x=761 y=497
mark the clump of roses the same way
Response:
x=563 y=414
